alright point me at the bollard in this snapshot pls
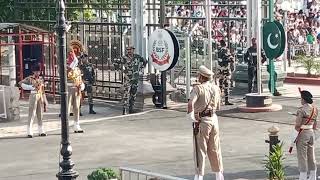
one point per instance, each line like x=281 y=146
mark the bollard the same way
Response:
x=273 y=137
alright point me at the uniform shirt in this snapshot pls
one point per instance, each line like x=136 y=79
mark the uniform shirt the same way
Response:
x=74 y=76
x=88 y=73
x=225 y=57
x=32 y=81
x=131 y=67
x=206 y=93
x=226 y=62
x=251 y=57
x=303 y=114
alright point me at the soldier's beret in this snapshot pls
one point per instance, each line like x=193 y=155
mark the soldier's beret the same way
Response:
x=307 y=96
x=204 y=71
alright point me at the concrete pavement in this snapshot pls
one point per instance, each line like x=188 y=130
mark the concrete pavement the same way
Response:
x=158 y=140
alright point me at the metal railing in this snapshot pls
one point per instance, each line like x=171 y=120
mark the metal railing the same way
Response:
x=135 y=174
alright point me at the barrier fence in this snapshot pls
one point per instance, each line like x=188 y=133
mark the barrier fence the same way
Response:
x=135 y=174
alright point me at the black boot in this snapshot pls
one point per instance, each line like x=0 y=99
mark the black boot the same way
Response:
x=226 y=101
x=124 y=111
x=80 y=113
x=131 y=111
x=91 y=111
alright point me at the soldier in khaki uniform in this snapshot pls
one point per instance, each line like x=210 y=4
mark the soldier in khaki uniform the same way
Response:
x=203 y=103
x=37 y=100
x=75 y=86
x=305 y=140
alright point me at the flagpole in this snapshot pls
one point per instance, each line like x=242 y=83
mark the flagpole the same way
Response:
x=258 y=22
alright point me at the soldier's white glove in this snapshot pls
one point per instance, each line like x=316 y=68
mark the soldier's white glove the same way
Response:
x=191 y=117
x=27 y=87
x=82 y=86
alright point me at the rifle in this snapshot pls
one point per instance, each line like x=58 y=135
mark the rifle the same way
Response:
x=195 y=126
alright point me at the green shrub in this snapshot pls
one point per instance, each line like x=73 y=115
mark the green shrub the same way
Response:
x=103 y=174
x=274 y=163
x=308 y=62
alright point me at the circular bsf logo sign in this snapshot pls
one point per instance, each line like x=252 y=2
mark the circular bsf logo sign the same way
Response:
x=163 y=49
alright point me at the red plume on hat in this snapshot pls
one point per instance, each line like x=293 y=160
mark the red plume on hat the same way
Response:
x=72 y=60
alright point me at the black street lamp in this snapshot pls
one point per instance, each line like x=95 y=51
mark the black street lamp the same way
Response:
x=66 y=172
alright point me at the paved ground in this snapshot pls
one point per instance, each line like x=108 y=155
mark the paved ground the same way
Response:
x=158 y=140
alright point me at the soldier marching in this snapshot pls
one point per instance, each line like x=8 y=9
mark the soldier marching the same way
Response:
x=133 y=65
x=37 y=100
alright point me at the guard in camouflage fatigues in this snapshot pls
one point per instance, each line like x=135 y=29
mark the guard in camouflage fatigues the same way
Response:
x=133 y=65
x=37 y=100
x=226 y=67
x=89 y=78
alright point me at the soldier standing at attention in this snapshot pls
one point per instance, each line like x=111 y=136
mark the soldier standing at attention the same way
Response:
x=89 y=78
x=251 y=58
x=37 y=100
x=202 y=106
x=226 y=62
x=133 y=65
x=75 y=86
x=306 y=122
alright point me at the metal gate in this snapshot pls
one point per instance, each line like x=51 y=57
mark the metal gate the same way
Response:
x=104 y=28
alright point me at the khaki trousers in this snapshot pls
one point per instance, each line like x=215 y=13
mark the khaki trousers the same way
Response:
x=74 y=101
x=305 y=151
x=35 y=109
x=208 y=144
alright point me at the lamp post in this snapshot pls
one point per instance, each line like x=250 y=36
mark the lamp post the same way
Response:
x=66 y=172
x=286 y=7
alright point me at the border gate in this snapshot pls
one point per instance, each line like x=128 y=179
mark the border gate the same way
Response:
x=104 y=27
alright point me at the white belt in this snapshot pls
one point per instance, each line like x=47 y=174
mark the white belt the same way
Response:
x=69 y=84
x=306 y=127
x=33 y=92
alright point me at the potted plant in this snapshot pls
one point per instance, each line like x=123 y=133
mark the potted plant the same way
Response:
x=274 y=163
x=103 y=174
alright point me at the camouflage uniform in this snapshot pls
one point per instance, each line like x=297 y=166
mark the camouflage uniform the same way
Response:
x=226 y=67
x=89 y=79
x=132 y=67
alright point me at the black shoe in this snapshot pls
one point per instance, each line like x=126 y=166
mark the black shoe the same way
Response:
x=244 y=98
x=91 y=111
x=29 y=136
x=79 y=131
x=80 y=114
x=228 y=103
x=71 y=114
x=277 y=93
x=124 y=111
x=59 y=115
x=43 y=134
